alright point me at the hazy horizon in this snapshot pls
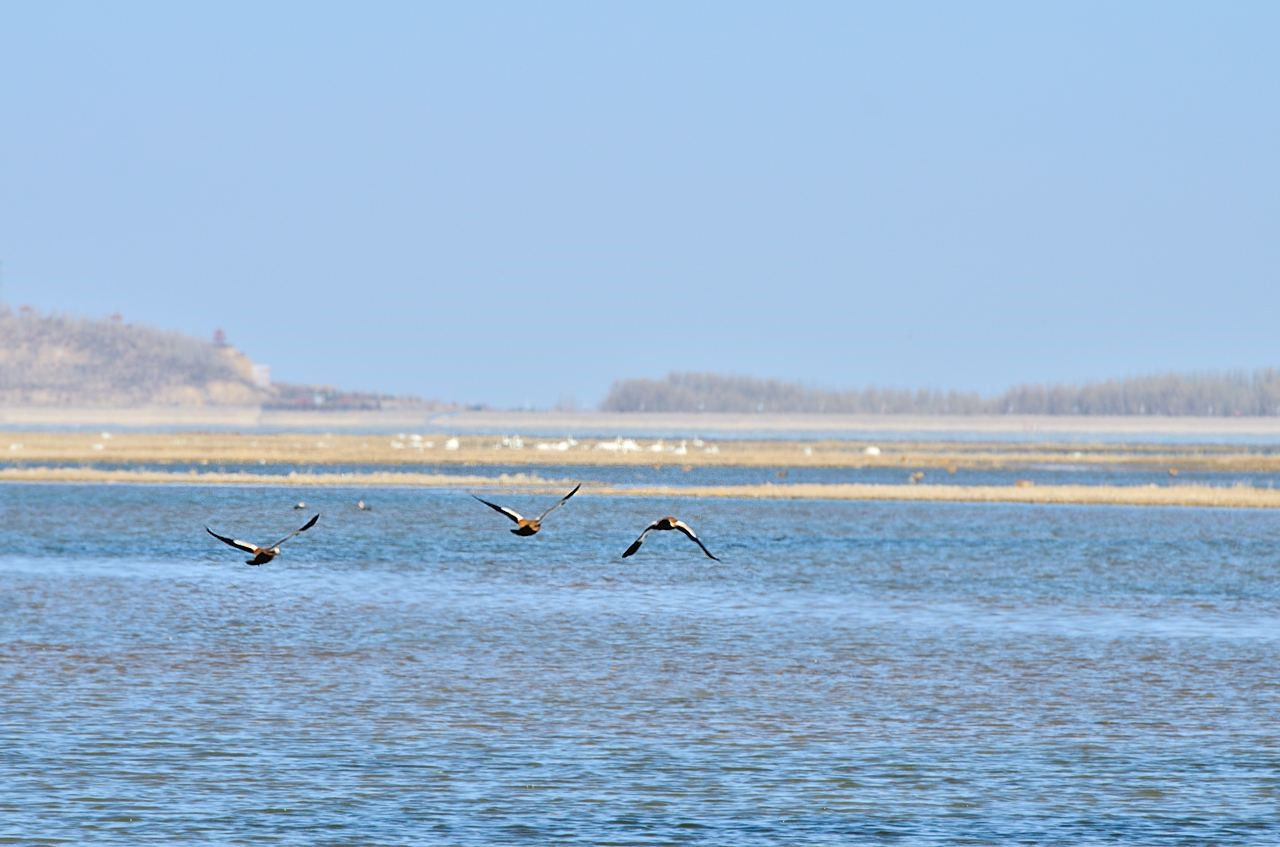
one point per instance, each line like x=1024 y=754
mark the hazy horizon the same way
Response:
x=518 y=206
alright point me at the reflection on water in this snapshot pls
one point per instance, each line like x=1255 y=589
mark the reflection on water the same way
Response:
x=924 y=673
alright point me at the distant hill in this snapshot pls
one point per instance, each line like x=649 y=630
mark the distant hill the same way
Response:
x=1223 y=395
x=53 y=360
x=57 y=361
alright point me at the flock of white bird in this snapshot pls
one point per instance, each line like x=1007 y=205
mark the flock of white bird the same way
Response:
x=414 y=441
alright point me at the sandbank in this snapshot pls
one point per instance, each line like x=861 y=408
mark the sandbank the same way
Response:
x=1114 y=495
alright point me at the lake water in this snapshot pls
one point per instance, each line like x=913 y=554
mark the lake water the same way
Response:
x=851 y=673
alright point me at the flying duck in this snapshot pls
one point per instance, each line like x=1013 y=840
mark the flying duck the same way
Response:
x=262 y=555
x=528 y=526
x=666 y=523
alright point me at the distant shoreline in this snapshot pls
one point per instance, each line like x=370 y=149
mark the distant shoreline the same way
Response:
x=252 y=418
x=715 y=422
x=413 y=451
x=300 y=459
x=162 y=418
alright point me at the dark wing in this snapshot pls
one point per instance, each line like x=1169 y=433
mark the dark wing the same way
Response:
x=306 y=526
x=239 y=545
x=515 y=516
x=635 y=545
x=688 y=530
x=560 y=502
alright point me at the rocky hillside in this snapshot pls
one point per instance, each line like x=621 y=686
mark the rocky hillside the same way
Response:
x=52 y=360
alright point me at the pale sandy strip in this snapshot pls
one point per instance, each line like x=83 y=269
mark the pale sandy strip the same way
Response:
x=391 y=451
x=1116 y=495
x=376 y=479
x=705 y=422
x=634 y=423
x=1146 y=495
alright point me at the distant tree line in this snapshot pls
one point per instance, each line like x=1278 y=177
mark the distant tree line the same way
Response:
x=1214 y=394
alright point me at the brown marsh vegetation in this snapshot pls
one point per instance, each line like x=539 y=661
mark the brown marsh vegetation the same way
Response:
x=1135 y=495
x=393 y=450
x=403 y=461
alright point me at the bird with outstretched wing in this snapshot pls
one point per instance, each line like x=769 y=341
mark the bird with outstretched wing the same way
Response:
x=668 y=523
x=262 y=555
x=528 y=526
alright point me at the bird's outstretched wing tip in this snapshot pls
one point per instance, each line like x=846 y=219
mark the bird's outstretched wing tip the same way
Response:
x=688 y=532
x=511 y=514
x=232 y=542
x=635 y=545
x=560 y=502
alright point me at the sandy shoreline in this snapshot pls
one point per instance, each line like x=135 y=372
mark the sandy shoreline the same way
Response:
x=1114 y=495
x=941 y=425
x=249 y=418
x=370 y=460
x=208 y=417
x=306 y=450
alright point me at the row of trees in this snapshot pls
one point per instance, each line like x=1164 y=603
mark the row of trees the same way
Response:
x=1231 y=394
x=702 y=392
x=1221 y=394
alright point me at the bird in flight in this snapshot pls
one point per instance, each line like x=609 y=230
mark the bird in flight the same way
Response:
x=528 y=526
x=666 y=523
x=262 y=555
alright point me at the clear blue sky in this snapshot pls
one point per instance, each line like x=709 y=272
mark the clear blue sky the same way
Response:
x=518 y=203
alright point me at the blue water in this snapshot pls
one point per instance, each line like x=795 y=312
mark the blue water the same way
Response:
x=852 y=673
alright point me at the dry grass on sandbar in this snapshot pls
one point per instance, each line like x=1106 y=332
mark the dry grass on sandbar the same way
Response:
x=1116 y=495
x=426 y=450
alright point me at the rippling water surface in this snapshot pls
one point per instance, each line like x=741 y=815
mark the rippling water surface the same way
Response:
x=852 y=672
